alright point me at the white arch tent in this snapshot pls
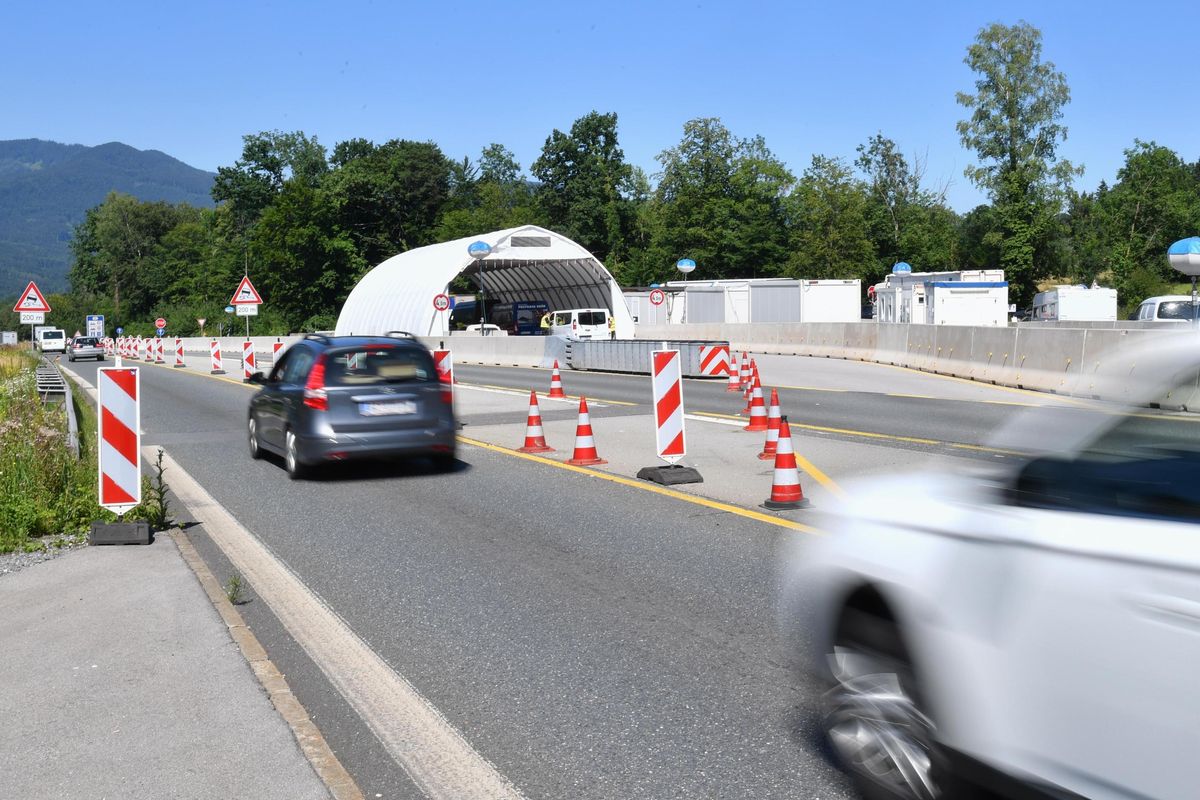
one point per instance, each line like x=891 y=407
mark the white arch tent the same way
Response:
x=526 y=264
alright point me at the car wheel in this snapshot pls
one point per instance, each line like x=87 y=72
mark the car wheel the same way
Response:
x=291 y=458
x=252 y=438
x=873 y=717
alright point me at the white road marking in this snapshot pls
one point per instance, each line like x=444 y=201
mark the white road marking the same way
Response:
x=435 y=755
x=737 y=423
x=542 y=398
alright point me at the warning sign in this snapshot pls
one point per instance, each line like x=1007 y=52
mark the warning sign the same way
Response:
x=32 y=300
x=246 y=294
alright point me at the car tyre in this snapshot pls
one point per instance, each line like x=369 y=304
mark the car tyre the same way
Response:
x=291 y=458
x=874 y=719
x=252 y=438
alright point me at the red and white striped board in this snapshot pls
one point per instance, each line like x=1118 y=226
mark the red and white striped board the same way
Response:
x=443 y=361
x=666 y=373
x=248 y=367
x=714 y=359
x=217 y=369
x=179 y=362
x=119 y=434
x=159 y=350
x=275 y=348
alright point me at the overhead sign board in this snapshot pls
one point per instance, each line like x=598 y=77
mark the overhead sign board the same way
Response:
x=32 y=299
x=246 y=294
x=32 y=317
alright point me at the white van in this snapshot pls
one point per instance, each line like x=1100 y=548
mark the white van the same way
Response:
x=52 y=340
x=1165 y=308
x=580 y=323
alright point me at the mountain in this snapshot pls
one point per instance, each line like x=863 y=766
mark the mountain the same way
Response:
x=46 y=189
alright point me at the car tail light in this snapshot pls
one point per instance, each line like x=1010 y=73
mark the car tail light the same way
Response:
x=314 y=390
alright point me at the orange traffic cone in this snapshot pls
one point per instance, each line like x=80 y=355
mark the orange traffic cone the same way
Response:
x=785 y=488
x=535 y=440
x=734 y=384
x=749 y=389
x=585 y=444
x=772 y=444
x=556 y=389
x=758 y=411
x=744 y=373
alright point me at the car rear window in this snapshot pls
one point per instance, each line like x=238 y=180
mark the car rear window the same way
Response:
x=85 y=342
x=378 y=364
x=1176 y=309
x=52 y=335
x=593 y=318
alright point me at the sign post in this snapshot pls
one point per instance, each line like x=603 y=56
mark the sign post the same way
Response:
x=441 y=303
x=666 y=375
x=32 y=307
x=246 y=300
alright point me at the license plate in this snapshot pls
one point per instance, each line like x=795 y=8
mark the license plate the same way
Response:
x=385 y=409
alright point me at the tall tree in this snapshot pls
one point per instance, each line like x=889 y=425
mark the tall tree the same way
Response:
x=584 y=181
x=1014 y=130
x=829 y=229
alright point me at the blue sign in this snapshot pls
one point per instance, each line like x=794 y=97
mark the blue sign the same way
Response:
x=901 y=266
x=160 y=331
x=685 y=265
x=120 y=331
x=478 y=250
x=228 y=309
x=95 y=325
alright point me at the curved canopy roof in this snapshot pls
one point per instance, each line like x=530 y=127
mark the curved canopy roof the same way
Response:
x=526 y=264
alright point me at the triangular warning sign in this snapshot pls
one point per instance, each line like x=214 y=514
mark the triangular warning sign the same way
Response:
x=246 y=294
x=32 y=300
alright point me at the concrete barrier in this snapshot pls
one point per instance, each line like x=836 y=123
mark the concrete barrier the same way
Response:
x=1051 y=358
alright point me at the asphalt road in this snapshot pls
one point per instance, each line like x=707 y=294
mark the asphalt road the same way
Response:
x=589 y=639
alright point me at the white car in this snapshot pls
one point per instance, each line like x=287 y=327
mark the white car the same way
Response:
x=580 y=323
x=1036 y=631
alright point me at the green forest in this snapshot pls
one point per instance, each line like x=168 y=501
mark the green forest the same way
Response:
x=306 y=222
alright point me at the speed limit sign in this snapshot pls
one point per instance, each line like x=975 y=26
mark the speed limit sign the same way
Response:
x=441 y=302
x=657 y=296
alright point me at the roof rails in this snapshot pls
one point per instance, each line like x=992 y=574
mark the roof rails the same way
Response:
x=320 y=337
x=401 y=333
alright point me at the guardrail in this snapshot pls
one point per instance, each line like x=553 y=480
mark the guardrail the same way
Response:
x=633 y=355
x=51 y=383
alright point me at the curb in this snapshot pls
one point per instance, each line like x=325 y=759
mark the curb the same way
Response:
x=322 y=759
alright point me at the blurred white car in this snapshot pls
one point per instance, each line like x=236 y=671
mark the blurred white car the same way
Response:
x=1034 y=632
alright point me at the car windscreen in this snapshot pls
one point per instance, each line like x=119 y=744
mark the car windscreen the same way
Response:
x=593 y=318
x=1175 y=309
x=377 y=364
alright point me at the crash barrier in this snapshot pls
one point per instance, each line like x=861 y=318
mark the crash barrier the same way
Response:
x=633 y=355
x=1069 y=361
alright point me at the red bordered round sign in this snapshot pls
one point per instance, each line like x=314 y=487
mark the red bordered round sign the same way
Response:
x=657 y=296
x=441 y=302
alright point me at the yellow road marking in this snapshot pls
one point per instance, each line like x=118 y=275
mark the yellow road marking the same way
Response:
x=647 y=487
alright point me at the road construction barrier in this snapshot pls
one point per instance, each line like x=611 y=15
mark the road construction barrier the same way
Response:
x=216 y=359
x=120 y=462
x=159 y=350
x=771 y=445
x=248 y=367
x=758 y=410
x=556 y=390
x=666 y=375
x=585 y=454
x=632 y=355
x=535 y=438
x=785 y=484
x=179 y=362
x=714 y=359
x=735 y=373
x=443 y=362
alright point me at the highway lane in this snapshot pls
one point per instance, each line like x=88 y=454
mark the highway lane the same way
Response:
x=589 y=639
x=959 y=421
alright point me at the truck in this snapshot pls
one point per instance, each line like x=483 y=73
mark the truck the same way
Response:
x=1075 y=304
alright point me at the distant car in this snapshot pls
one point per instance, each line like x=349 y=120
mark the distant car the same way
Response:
x=51 y=340
x=580 y=323
x=492 y=330
x=1032 y=630
x=1165 y=308
x=84 y=347
x=338 y=398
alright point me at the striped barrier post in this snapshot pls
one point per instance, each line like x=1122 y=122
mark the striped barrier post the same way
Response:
x=714 y=359
x=120 y=462
x=159 y=349
x=444 y=362
x=247 y=360
x=148 y=350
x=216 y=359
x=668 y=405
x=275 y=348
x=179 y=362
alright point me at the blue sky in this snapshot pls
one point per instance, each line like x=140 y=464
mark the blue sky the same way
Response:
x=191 y=79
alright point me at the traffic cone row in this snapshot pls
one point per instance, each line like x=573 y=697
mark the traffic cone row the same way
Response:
x=735 y=381
x=535 y=439
x=556 y=390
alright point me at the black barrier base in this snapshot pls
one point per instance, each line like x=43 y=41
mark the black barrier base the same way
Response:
x=670 y=475
x=775 y=505
x=119 y=533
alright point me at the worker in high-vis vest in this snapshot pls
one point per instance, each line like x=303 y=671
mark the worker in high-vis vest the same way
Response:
x=546 y=324
x=612 y=327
